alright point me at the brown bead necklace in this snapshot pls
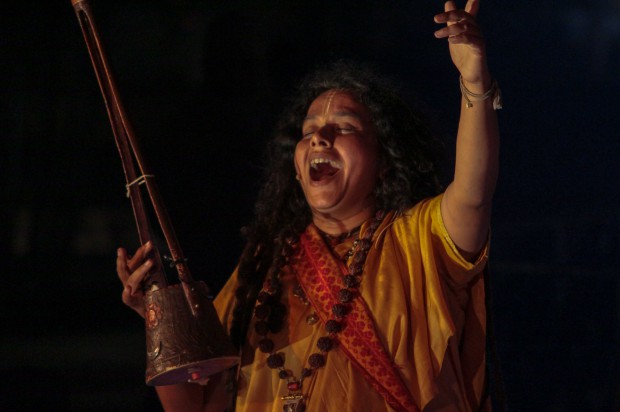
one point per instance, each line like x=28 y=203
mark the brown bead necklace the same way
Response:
x=270 y=312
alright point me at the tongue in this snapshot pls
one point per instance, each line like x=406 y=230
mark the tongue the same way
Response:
x=323 y=171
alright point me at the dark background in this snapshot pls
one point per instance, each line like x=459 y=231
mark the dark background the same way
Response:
x=203 y=83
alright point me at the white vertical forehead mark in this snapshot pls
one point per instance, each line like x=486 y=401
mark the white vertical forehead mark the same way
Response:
x=328 y=102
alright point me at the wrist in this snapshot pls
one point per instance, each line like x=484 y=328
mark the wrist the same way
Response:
x=479 y=84
x=491 y=92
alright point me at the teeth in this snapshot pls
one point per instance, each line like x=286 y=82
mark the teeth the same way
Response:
x=315 y=162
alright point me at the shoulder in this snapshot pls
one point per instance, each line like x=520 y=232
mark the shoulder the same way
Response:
x=225 y=299
x=424 y=215
x=420 y=230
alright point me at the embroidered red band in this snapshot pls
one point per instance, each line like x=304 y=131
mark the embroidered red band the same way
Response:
x=320 y=275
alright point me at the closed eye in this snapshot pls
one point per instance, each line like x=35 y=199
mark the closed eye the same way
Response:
x=339 y=130
x=345 y=130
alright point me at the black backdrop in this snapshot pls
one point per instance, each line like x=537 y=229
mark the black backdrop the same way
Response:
x=203 y=83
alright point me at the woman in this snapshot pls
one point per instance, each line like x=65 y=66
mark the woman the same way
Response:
x=360 y=287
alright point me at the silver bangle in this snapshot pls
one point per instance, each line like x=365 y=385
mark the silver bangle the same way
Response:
x=475 y=97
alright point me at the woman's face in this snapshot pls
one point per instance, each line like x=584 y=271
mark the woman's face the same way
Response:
x=336 y=159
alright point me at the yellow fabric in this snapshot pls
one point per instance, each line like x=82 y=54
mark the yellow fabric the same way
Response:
x=428 y=306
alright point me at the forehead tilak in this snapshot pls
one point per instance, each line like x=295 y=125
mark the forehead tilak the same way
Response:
x=328 y=102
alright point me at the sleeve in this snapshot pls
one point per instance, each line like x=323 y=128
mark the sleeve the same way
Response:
x=224 y=302
x=456 y=270
x=446 y=296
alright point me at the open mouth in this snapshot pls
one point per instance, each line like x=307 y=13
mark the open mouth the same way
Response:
x=323 y=169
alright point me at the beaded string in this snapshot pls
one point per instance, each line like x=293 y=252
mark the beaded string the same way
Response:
x=270 y=313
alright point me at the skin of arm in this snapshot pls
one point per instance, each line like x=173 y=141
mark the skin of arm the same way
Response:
x=466 y=205
x=182 y=397
x=192 y=397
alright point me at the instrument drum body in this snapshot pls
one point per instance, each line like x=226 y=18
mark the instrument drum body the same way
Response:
x=182 y=346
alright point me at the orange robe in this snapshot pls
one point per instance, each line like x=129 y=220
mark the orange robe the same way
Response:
x=428 y=306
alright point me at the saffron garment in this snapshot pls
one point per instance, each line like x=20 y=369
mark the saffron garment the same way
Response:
x=428 y=307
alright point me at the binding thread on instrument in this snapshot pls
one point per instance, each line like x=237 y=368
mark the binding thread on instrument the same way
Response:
x=173 y=262
x=139 y=181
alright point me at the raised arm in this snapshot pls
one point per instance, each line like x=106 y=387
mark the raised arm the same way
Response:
x=466 y=205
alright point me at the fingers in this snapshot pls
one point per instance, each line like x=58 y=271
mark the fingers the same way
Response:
x=132 y=272
x=472 y=7
x=121 y=265
x=140 y=255
x=449 y=6
x=135 y=302
x=132 y=284
x=461 y=26
x=455 y=16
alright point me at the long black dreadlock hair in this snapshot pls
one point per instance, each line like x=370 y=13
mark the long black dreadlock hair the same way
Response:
x=409 y=155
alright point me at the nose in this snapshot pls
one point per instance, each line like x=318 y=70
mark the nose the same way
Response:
x=323 y=137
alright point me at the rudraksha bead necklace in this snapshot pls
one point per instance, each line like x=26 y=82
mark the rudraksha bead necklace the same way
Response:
x=270 y=312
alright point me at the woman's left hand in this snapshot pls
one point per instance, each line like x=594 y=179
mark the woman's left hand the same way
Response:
x=467 y=46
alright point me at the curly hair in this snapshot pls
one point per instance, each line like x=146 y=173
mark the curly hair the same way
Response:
x=409 y=160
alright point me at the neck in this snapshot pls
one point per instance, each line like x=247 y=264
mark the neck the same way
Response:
x=336 y=226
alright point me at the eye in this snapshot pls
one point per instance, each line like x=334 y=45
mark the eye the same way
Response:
x=345 y=130
x=307 y=134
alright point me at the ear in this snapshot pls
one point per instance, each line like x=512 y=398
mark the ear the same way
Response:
x=296 y=171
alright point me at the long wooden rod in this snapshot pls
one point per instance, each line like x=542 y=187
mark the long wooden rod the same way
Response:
x=130 y=153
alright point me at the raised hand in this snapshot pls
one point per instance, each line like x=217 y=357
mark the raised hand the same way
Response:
x=467 y=46
x=131 y=272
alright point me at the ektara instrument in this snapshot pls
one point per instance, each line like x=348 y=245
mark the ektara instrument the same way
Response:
x=185 y=340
